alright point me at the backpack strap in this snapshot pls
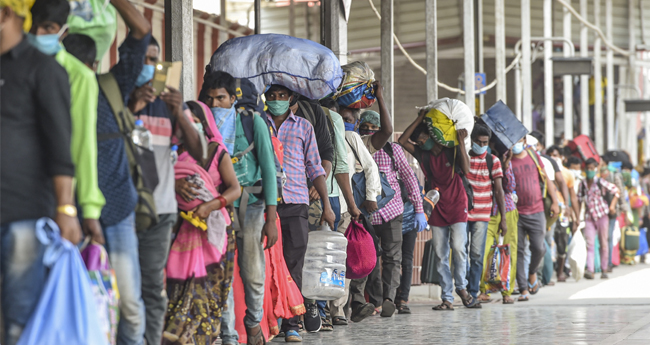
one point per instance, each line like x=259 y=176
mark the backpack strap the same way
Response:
x=533 y=156
x=356 y=156
x=247 y=119
x=110 y=88
x=490 y=164
x=388 y=148
x=308 y=111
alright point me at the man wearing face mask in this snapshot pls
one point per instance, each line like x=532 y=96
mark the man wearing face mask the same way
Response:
x=388 y=221
x=168 y=119
x=486 y=176
x=48 y=25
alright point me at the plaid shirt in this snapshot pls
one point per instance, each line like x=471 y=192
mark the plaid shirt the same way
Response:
x=596 y=205
x=300 y=156
x=508 y=188
x=395 y=207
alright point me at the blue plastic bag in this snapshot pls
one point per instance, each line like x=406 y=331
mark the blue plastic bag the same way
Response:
x=643 y=242
x=66 y=311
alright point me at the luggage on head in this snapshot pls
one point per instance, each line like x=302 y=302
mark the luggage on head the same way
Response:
x=583 y=148
x=507 y=129
x=356 y=90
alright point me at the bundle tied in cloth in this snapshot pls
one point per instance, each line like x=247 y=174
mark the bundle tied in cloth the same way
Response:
x=445 y=117
x=356 y=90
x=22 y=8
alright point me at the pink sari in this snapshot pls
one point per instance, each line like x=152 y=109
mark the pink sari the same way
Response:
x=199 y=275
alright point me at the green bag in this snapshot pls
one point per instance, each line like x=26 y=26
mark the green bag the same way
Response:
x=94 y=18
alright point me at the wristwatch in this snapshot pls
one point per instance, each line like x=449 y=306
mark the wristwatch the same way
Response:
x=68 y=210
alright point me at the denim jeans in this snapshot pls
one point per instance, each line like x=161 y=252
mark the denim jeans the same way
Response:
x=252 y=271
x=335 y=202
x=408 y=246
x=477 y=233
x=23 y=275
x=122 y=248
x=441 y=235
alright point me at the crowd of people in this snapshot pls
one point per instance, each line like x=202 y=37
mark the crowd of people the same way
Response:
x=207 y=230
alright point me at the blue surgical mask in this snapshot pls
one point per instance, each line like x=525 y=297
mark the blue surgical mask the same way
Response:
x=350 y=126
x=478 y=149
x=518 y=148
x=145 y=75
x=47 y=44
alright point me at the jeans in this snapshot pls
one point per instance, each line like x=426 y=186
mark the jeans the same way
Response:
x=335 y=202
x=122 y=248
x=533 y=226
x=252 y=271
x=441 y=235
x=154 y=244
x=23 y=275
x=612 y=225
x=408 y=246
x=476 y=233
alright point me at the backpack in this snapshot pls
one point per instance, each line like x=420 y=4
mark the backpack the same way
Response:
x=548 y=201
x=388 y=148
x=450 y=158
x=142 y=162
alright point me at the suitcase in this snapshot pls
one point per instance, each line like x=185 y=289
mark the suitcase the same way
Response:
x=630 y=238
x=505 y=126
x=583 y=148
x=429 y=274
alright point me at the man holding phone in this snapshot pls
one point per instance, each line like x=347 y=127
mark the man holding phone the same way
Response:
x=166 y=117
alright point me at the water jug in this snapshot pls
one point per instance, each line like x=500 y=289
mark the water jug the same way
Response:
x=433 y=195
x=141 y=136
x=323 y=275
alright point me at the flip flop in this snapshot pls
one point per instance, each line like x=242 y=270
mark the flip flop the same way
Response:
x=511 y=301
x=530 y=287
x=444 y=306
x=523 y=298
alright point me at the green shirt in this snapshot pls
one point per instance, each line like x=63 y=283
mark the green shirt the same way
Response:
x=84 y=94
x=340 y=164
x=248 y=169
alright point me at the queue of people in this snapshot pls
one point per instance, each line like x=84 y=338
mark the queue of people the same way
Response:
x=207 y=229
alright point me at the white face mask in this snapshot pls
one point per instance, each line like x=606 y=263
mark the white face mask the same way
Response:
x=577 y=173
x=559 y=109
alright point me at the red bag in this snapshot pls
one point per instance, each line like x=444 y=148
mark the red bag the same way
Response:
x=362 y=256
x=497 y=270
x=583 y=148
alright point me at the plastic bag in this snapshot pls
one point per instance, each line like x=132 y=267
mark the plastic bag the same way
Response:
x=299 y=64
x=577 y=253
x=445 y=117
x=497 y=271
x=104 y=286
x=356 y=89
x=66 y=312
x=361 y=254
x=100 y=24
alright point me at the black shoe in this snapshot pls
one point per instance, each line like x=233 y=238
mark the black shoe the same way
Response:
x=313 y=321
x=361 y=312
x=387 y=308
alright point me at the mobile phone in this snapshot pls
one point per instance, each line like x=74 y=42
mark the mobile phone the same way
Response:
x=166 y=73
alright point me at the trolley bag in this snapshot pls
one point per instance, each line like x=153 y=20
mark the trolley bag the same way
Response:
x=583 y=148
x=429 y=274
x=507 y=129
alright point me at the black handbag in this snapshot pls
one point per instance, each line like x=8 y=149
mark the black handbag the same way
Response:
x=429 y=273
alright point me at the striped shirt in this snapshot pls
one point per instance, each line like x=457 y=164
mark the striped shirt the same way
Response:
x=479 y=178
x=300 y=157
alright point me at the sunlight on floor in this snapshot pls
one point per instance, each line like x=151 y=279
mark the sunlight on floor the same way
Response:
x=633 y=285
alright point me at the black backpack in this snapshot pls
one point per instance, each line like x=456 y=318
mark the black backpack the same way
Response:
x=142 y=162
x=426 y=156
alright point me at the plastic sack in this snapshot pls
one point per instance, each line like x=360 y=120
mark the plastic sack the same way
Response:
x=66 y=312
x=301 y=65
x=356 y=89
x=444 y=117
x=577 y=254
x=497 y=271
x=362 y=257
x=408 y=220
x=643 y=242
x=104 y=286
x=100 y=23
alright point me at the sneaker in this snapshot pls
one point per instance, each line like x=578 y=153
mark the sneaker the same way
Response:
x=313 y=321
x=361 y=312
x=589 y=275
x=292 y=337
x=387 y=308
x=604 y=276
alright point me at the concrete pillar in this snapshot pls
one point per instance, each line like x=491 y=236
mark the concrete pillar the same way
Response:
x=611 y=135
x=335 y=29
x=568 y=80
x=549 y=100
x=292 y=18
x=479 y=49
x=526 y=73
x=224 y=11
x=179 y=29
x=258 y=16
x=631 y=118
x=387 y=55
x=599 y=135
x=468 y=45
x=432 y=49
x=584 y=79
x=500 y=47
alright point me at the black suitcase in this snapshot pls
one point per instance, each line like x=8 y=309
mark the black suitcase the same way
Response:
x=505 y=126
x=429 y=274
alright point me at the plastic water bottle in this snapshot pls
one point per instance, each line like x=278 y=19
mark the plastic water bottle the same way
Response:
x=564 y=218
x=323 y=275
x=174 y=154
x=433 y=195
x=515 y=198
x=141 y=136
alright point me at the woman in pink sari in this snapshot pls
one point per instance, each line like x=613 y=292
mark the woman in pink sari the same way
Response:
x=200 y=265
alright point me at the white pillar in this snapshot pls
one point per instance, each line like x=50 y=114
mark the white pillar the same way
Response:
x=646 y=115
x=584 y=79
x=179 y=28
x=568 y=79
x=611 y=139
x=500 y=46
x=432 y=49
x=621 y=121
x=526 y=73
x=549 y=100
x=468 y=44
x=387 y=55
x=598 y=88
x=479 y=50
x=631 y=122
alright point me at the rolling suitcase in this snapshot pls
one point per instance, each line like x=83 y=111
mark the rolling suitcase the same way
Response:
x=583 y=148
x=429 y=274
x=505 y=126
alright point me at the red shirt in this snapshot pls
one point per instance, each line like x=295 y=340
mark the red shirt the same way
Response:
x=528 y=189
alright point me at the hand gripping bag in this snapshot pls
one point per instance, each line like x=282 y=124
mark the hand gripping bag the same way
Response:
x=497 y=270
x=66 y=312
x=299 y=64
x=104 y=286
x=445 y=117
x=94 y=18
x=362 y=256
x=577 y=253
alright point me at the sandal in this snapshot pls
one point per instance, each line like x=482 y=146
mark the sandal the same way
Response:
x=257 y=338
x=403 y=308
x=534 y=286
x=523 y=298
x=339 y=321
x=508 y=300
x=484 y=298
x=326 y=325
x=444 y=306
x=468 y=300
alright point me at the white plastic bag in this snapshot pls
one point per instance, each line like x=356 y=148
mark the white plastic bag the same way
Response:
x=616 y=236
x=577 y=253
